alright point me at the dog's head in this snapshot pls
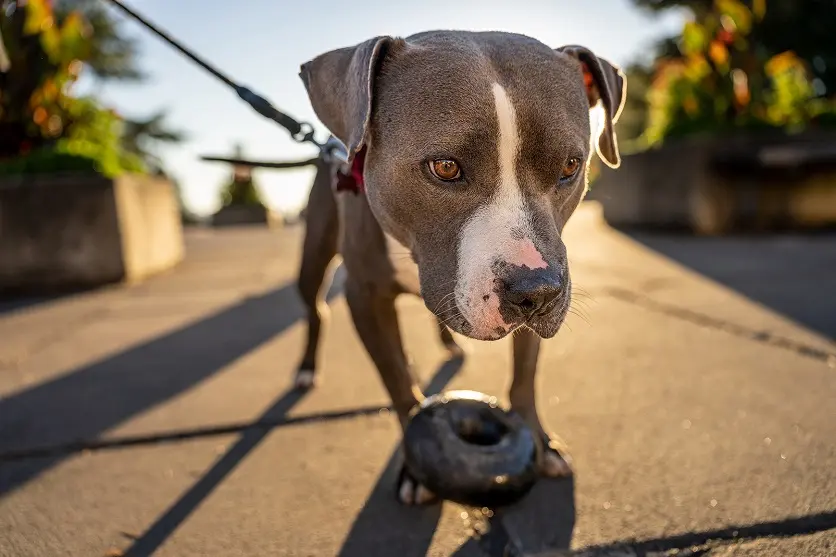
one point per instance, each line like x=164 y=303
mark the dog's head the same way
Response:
x=475 y=148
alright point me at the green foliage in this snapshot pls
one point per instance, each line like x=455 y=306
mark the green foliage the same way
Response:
x=41 y=122
x=91 y=144
x=44 y=63
x=723 y=82
x=801 y=26
x=96 y=135
x=141 y=136
x=241 y=189
x=46 y=161
x=241 y=192
x=632 y=123
x=111 y=54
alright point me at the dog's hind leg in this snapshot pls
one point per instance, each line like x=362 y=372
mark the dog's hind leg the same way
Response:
x=318 y=251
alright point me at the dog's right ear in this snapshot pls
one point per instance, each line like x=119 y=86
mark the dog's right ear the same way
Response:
x=606 y=83
x=340 y=85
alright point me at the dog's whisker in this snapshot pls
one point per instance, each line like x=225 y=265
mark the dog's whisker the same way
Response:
x=580 y=293
x=583 y=301
x=447 y=307
x=446 y=297
x=450 y=318
x=579 y=315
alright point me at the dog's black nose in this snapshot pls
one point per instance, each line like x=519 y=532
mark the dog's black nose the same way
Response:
x=533 y=292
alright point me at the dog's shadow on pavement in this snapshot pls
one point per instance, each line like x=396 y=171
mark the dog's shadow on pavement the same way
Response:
x=384 y=527
x=383 y=523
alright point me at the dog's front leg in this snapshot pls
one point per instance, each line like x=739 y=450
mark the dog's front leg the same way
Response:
x=376 y=320
x=553 y=459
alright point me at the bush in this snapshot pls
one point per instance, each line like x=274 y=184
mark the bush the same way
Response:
x=721 y=84
x=43 y=128
x=44 y=161
x=240 y=192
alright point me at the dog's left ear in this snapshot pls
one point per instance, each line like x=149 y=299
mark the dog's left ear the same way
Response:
x=340 y=85
x=605 y=83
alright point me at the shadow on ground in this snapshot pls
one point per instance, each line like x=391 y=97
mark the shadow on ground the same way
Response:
x=62 y=410
x=409 y=530
x=792 y=274
x=11 y=304
x=177 y=513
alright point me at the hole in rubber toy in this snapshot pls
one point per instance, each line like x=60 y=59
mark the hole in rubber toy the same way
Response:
x=463 y=447
x=483 y=428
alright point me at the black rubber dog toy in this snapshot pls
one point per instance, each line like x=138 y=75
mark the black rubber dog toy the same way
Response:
x=463 y=447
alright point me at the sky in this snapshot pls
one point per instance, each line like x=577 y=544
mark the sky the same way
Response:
x=261 y=44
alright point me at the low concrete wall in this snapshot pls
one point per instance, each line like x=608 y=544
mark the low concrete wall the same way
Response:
x=701 y=185
x=61 y=233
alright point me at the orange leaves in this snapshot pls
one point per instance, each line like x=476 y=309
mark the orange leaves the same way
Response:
x=40 y=116
x=718 y=53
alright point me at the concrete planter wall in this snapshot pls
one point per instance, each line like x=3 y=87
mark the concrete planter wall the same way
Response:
x=61 y=233
x=721 y=185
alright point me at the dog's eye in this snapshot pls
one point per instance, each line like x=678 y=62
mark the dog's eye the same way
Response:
x=445 y=169
x=570 y=169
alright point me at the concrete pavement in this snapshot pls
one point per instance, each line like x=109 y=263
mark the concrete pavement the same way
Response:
x=694 y=383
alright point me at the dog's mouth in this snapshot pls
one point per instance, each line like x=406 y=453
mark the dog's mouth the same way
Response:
x=545 y=325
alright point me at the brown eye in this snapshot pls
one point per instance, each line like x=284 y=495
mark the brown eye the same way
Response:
x=570 y=168
x=445 y=169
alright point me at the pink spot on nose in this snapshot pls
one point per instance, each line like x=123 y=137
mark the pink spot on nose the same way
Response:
x=490 y=319
x=528 y=255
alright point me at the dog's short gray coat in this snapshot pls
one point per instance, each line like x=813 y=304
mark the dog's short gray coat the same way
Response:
x=484 y=250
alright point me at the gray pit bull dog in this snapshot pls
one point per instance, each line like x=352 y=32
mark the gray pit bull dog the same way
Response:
x=473 y=149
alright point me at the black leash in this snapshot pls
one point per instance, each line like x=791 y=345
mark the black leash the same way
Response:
x=301 y=132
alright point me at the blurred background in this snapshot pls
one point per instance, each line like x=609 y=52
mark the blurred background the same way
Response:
x=694 y=67
x=165 y=112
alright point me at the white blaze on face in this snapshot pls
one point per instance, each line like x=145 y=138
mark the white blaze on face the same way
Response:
x=487 y=235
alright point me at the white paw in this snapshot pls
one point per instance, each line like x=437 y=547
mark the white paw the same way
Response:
x=411 y=492
x=305 y=379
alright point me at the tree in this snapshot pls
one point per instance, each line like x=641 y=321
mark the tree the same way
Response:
x=633 y=120
x=49 y=44
x=733 y=67
x=142 y=135
x=802 y=26
x=241 y=188
x=44 y=62
x=113 y=56
x=112 y=53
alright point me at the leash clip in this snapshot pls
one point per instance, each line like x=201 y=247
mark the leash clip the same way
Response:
x=305 y=134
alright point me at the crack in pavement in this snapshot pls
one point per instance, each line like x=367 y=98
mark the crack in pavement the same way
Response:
x=89 y=445
x=706 y=321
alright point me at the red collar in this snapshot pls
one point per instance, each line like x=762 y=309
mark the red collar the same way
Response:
x=353 y=180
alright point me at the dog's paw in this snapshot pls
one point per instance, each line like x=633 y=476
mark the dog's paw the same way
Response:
x=305 y=379
x=555 y=461
x=410 y=492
